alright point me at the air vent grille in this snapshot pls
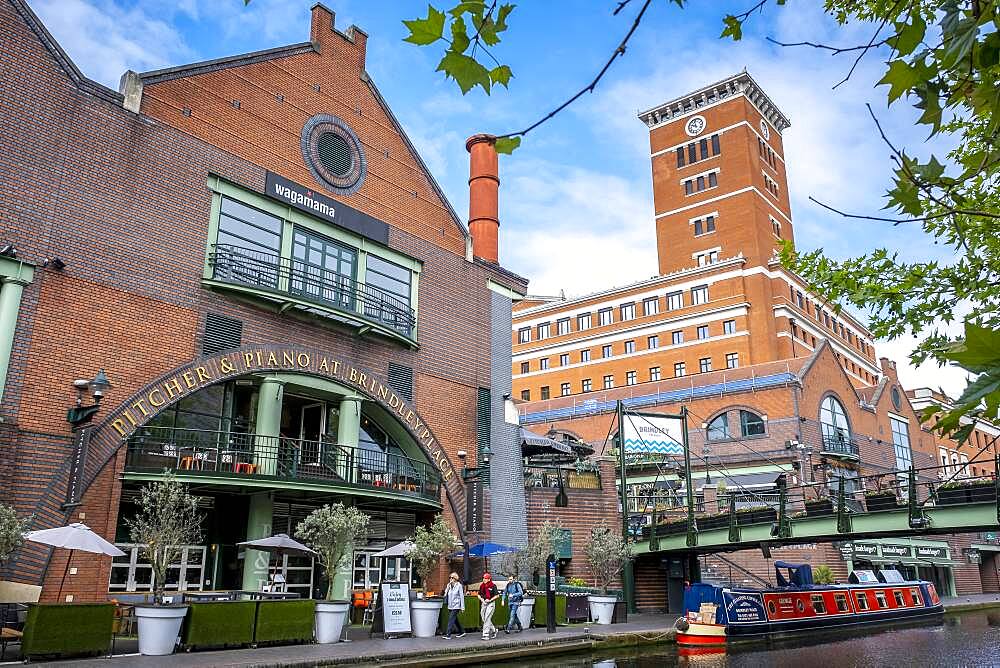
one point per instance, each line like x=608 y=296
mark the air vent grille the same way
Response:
x=221 y=333
x=335 y=153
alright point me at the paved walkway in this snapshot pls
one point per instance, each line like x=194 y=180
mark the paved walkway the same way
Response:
x=436 y=651
x=970 y=602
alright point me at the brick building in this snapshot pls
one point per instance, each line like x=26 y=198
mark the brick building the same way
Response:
x=776 y=382
x=289 y=310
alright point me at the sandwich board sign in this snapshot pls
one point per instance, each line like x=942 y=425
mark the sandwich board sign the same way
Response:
x=396 y=608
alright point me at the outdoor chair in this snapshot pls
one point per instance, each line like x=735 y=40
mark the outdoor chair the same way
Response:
x=12 y=616
x=369 y=615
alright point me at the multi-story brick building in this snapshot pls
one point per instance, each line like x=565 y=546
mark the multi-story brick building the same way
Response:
x=776 y=382
x=288 y=308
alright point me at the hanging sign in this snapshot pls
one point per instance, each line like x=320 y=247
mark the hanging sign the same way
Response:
x=659 y=435
x=932 y=552
x=396 y=607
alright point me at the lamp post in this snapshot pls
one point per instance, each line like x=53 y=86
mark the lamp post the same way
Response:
x=79 y=417
x=474 y=500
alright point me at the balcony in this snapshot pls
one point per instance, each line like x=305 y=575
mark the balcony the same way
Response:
x=279 y=462
x=313 y=289
x=839 y=445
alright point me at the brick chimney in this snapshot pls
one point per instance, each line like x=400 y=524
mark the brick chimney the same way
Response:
x=323 y=22
x=484 y=193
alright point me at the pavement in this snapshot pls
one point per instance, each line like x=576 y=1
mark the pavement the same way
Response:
x=471 y=650
x=970 y=602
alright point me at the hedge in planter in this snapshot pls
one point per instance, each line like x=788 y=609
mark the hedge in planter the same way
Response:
x=284 y=621
x=819 y=508
x=881 y=501
x=219 y=624
x=65 y=630
x=962 y=492
x=468 y=618
x=541 y=609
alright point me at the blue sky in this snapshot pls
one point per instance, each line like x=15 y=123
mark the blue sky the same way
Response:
x=581 y=182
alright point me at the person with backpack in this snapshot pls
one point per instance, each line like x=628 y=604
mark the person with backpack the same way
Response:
x=513 y=594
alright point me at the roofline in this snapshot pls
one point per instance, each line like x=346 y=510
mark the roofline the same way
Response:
x=216 y=64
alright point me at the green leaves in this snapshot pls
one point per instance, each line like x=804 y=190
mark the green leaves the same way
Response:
x=506 y=145
x=467 y=72
x=733 y=27
x=428 y=30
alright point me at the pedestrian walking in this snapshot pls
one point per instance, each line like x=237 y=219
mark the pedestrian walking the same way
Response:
x=454 y=594
x=513 y=594
x=488 y=595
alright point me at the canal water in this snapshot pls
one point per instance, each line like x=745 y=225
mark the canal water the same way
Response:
x=962 y=639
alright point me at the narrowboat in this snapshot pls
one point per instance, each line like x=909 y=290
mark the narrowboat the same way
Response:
x=715 y=615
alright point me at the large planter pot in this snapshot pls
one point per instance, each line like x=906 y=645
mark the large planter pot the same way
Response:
x=525 y=612
x=820 y=508
x=159 y=627
x=713 y=522
x=424 y=615
x=602 y=608
x=877 y=502
x=330 y=619
x=949 y=496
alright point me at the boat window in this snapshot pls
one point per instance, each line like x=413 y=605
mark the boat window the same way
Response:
x=819 y=605
x=862 y=600
x=915 y=594
x=880 y=599
x=899 y=599
x=841 y=600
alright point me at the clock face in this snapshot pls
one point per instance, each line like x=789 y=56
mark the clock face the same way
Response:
x=765 y=129
x=695 y=126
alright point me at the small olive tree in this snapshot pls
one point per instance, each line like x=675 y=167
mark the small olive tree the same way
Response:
x=533 y=557
x=607 y=553
x=332 y=531
x=167 y=519
x=12 y=530
x=430 y=545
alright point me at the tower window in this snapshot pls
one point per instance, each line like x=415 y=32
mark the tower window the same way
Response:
x=653 y=342
x=525 y=395
x=715 y=145
x=704 y=225
x=732 y=360
x=525 y=367
x=703 y=147
x=692 y=154
x=630 y=377
x=609 y=382
x=680 y=157
x=586 y=385
x=728 y=326
x=564 y=389
x=699 y=295
x=677 y=337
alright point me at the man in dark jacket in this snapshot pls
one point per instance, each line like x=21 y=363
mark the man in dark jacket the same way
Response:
x=513 y=593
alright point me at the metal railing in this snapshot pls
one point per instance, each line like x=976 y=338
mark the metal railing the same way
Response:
x=245 y=266
x=549 y=477
x=252 y=455
x=836 y=444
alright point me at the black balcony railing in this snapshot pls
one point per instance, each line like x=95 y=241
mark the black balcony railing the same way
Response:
x=838 y=444
x=245 y=266
x=550 y=477
x=253 y=456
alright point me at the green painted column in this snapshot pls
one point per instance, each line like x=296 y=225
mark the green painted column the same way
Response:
x=10 y=303
x=258 y=526
x=348 y=434
x=268 y=426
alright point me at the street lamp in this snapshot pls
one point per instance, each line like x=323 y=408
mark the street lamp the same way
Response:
x=79 y=414
x=475 y=471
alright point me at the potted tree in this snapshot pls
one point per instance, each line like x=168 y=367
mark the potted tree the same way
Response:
x=881 y=497
x=12 y=531
x=531 y=559
x=166 y=519
x=430 y=545
x=607 y=553
x=332 y=531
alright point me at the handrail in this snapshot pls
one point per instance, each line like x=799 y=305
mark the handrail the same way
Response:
x=246 y=266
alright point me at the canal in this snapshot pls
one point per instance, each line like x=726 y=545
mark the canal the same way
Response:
x=962 y=639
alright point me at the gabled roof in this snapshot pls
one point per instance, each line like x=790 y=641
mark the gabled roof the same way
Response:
x=216 y=64
x=65 y=63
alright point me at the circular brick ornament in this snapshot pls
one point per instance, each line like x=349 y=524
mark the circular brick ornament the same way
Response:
x=333 y=154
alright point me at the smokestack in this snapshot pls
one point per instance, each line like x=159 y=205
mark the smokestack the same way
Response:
x=484 y=192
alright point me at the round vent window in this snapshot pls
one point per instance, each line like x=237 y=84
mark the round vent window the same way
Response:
x=333 y=154
x=897 y=400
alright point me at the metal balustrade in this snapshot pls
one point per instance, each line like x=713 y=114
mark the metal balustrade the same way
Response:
x=313 y=284
x=839 y=445
x=229 y=454
x=549 y=477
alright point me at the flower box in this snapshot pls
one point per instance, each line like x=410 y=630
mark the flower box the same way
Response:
x=881 y=501
x=954 y=494
x=819 y=508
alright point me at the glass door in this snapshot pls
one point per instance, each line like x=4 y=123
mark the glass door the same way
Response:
x=132 y=573
x=367 y=573
x=312 y=426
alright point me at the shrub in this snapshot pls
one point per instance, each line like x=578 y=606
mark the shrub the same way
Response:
x=607 y=554
x=430 y=545
x=68 y=630
x=12 y=531
x=219 y=623
x=533 y=557
x=822 y=575
x=284 y=621
x=332 y=531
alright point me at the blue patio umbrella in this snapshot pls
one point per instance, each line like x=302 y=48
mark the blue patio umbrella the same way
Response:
x=488 y=549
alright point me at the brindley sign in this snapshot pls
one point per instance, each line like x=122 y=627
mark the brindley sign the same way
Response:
x=321 y=206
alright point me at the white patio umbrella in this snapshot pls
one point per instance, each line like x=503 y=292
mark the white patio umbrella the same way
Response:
x=278 y=544
x=76 y=536
x=397 y=550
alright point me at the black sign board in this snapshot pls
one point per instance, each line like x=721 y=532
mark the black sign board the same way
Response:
x=474 y=506
x=321 y=206
x=896 y=551
x=932 y=552
x=81 y=441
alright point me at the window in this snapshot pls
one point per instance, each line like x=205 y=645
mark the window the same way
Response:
x=699 y=294
x=525 y=367
x=605 y=351
x=901 y=443
x=732 y=360
x=585 y=385
x=564 y=359
x=703 y=148
x=798 y=299
x=545 y=392
x=680 y=156
x=702 y=331
x=650 y=306
x=604 y=316
x=583 y=321
x=770 y=184
x=630 y=377
x=915 y=595
x=713 y=180
x=704 y=225
x=677 y=337
x=678 y=369
x=524 y=335
x=705 y=364
x=585 y=355
x=715 y=145
x=627 y=311
x=609 y=382
x=707 y=257
x=728 y=326
x=653 y=342
x=701 y=182
x=543 y=331
x=751 y=424
x=819 y=605
x=718 y=428
x=654 y=373
x=862 y=599
x=564 y=389
x=525 y=395
x=629 y=347
x=833 y=421
x=880 y=599
x=543 y=363
x=898 y=595
x=841 y=600
x=562 y=326
x=692 y=154
x=688 y=187
x=826 y=318
x=675 y=300
x=244 y=228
